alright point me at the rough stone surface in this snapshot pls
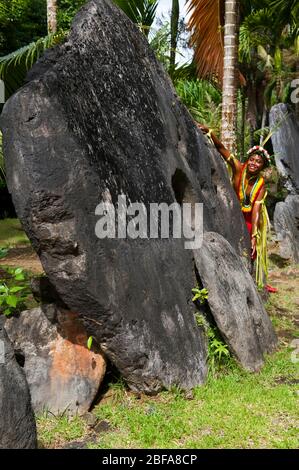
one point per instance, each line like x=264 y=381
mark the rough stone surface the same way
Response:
x=99 y=118
x=17 y=423
x=285 y=143
x=286 y=225
x=44 y=292
x=63 y=375
x=234 y=302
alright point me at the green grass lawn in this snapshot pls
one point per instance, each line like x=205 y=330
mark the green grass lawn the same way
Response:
x=12 y=234
x=235 y=409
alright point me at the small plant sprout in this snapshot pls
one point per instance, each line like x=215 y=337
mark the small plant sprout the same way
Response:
x=200 y=294
x=8 y=298
x=89 y=342
x=218 y=352
x=11 y=297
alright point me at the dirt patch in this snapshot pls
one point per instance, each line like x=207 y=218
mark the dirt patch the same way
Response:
x=283 y=305
x=23 y=257
x=286 y=380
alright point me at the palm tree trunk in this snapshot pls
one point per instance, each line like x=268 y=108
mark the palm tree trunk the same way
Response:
x=229 y=91
x=264 y=118
x=174 y=24
x=52 y=16
x=243 y=121
x=251 y=135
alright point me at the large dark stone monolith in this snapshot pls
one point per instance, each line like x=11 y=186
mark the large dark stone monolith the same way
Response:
x=100 y=118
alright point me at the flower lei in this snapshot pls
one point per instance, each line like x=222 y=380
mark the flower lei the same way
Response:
x=247 y=206
x=260 y=151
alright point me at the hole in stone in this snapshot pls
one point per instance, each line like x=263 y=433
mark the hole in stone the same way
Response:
x=182 y=187
x=111 y=382
x=249 y=301
x=184 y=192
x=20 y=357
x=179 y=183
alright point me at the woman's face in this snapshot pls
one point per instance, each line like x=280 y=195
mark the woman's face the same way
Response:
x=255 y=164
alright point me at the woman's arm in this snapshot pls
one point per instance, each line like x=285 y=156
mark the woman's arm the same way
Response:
x=231 y=160
x=255 y=219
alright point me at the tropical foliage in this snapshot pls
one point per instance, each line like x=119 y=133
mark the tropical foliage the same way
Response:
x=15 y=63
x=203 y=100
x=66 y=10
x=205 y=23
x=14 y=66
x=13 y=291
x=141 y=12
x=22 y=22
x=23 y=36
x=268 y=52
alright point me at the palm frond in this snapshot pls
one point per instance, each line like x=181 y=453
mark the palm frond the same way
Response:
x=245 y=44
x=285 y=11
x=206 y=25
x=186 y=71
x=141 y=12
x=14 y=66
x=159 y=41
x=203 y=100
x=255 y=31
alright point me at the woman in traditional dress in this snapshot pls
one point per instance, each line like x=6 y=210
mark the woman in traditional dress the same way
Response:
x=250 y=188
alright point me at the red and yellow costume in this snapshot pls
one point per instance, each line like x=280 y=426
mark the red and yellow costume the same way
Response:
x=246 y=202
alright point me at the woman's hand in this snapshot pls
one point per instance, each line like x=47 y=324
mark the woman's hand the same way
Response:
x=253 y=247
x=203 y=127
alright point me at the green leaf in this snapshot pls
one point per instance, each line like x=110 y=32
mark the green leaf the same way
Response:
x=89 y=342
x=12 y=300
x=16 y=289
x=7 y=311
x=14 y=66
x=19 y=277
x=18 y=270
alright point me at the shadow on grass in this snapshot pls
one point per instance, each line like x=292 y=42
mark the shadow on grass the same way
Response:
x=279 y=261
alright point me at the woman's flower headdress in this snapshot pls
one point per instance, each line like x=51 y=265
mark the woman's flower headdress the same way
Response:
x=257 y=149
